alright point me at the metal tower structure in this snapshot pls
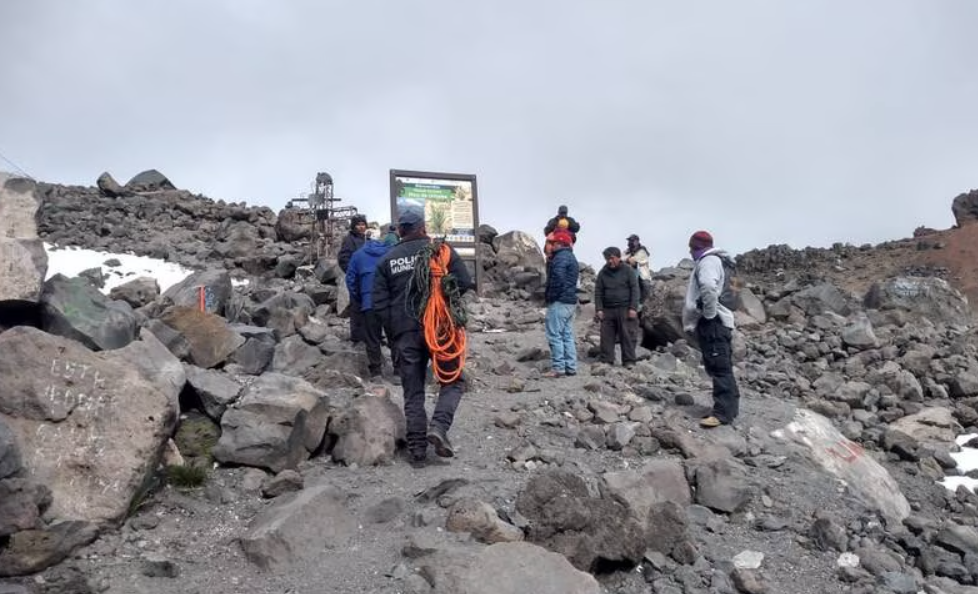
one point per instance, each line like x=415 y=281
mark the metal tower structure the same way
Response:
x=325 y=215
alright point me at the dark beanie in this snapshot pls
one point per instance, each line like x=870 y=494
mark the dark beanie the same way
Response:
x=701 y=240
x=562 y=210
x=611 y=251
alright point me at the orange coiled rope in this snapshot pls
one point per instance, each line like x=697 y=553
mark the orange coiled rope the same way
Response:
x=444 y=336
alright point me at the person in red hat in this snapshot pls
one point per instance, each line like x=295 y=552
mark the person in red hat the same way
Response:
x=561 y=297
x=708 y=314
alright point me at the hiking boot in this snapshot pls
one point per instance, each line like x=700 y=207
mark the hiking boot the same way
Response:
x=710 y=422
x=570 y=373
x=418 y=460
x=439 y=439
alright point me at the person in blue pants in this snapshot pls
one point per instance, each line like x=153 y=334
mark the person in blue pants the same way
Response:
x=561 y=298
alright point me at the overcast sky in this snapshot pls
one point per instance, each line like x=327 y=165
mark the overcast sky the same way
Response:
x=803 y=122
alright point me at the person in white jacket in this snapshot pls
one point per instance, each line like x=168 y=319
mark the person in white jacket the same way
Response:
x=713 y=324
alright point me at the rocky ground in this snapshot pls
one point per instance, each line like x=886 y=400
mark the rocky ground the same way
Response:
x=858 y=368
x=185 y=540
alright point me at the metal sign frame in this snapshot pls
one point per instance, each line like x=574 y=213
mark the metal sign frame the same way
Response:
x=468 y=250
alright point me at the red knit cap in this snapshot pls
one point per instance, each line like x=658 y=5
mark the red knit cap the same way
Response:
x=701 y=240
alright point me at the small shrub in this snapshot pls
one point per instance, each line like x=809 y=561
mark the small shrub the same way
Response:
x=186 y=477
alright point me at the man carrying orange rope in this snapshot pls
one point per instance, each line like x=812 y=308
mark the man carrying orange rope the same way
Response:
x=418 y=312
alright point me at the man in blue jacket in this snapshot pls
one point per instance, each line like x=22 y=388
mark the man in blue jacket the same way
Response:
x=561 y=297
x=360 y=283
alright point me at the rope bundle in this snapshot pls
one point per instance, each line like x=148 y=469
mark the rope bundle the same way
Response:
x=441 y=311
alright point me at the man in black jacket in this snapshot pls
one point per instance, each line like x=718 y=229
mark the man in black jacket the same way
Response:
x=397 y=299
x=351 y=243
x=616 y=307
x=562 y=221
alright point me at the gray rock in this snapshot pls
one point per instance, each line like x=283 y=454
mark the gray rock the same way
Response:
x=859 y=333
x=510 y=568
x=109 y=187
x=150 y=180
x=960 y=539
x=821 y=298
x=75 y=309
x=89 y=428
x=276 y=423
x=211 y=340
x=23 y=261
x=565 y=517
x=155 y=364
x=284 y=482
x=722 y=485
x=481 y=521
x=21 y=504
x=30 y=551
x=217 y=291
x=932 y=298
x=294 y=355
x=281 y=534
x=255 y=355
x=215 y=389
x=137 y=292
x=10 y=460
x=366 y=433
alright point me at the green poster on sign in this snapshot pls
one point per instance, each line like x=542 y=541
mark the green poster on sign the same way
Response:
x=448 y=202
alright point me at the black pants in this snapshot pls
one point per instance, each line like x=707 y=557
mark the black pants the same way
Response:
x=715 y=344
x=373 y=329
x=357 y=322
x=618 y=328
x=412 y=361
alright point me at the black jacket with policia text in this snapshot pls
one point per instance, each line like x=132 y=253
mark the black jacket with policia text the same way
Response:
x=393 y=299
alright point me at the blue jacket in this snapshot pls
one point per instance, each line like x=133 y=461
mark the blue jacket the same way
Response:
x=562 y=274
x=360 y=272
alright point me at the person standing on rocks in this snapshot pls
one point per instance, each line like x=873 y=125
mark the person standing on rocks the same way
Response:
x=563 y=221
x=637 y=256
x=712 y=322
x=616 y=308
x=360 y=282
x=397 y=298
x=561 y=298
x=351 y=243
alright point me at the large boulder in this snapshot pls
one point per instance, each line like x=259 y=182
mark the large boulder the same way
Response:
x=591 y=531
x=23 y=261
x=821 y=298
x=965 y=208
x=89 y=428
x=297 y=527
x=216 y=284
x=367 y=432
x=211 y=341
x=293 y=224
x=73 y=308
x=150 y=180
x=110 y=188
x=277 y=422
x=515 y=263
x=930 y=297
x=662 y=321
x=508 y=568
x=866 y=478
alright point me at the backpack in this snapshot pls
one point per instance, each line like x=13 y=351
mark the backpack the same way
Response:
x=730 y=292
